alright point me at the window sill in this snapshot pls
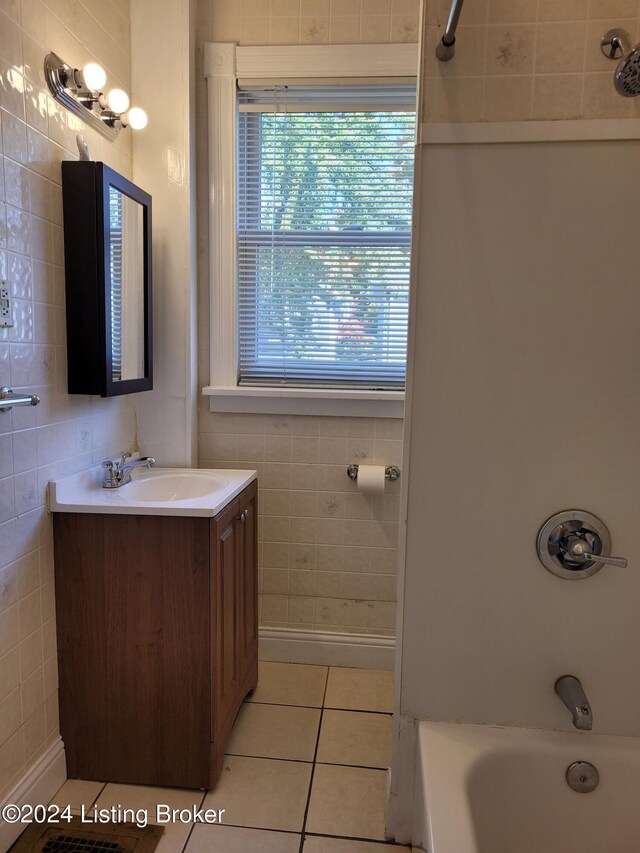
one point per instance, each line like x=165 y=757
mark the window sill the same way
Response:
x=305 y=401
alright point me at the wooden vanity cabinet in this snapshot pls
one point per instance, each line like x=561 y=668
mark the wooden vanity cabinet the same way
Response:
x=157 y=641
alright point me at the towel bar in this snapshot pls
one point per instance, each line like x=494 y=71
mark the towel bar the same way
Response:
x=10 y=399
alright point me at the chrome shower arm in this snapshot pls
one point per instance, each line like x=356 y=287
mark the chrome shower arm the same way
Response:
x=446 y=47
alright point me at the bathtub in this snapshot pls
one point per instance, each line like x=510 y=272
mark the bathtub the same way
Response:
x=486 y=789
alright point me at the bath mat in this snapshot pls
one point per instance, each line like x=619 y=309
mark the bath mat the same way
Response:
x=75 y=837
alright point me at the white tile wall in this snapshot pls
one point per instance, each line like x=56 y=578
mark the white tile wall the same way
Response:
x=63 y=433
x=327 y=556
x=308 y=21
x=526 y=60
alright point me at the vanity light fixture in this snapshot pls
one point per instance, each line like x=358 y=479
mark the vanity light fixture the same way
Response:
x=94 y=76
x=135 y=118
x=80 y=90
x=117 y=101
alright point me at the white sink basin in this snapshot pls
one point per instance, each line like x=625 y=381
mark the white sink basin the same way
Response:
x=158 y=491
x=158 y=486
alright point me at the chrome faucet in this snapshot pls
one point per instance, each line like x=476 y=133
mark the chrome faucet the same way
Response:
x=119 y=473
x=570 y=690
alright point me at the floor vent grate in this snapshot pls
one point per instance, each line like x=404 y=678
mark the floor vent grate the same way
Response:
x=73 y=844
x=77 y=838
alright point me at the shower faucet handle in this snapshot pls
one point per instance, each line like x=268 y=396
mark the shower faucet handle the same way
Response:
x=575 y=544
x=579 y=549
x=622 y=562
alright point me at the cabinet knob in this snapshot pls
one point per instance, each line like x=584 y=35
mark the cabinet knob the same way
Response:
x=243 y=516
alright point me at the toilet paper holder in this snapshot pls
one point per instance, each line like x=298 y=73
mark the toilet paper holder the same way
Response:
x=391 y=472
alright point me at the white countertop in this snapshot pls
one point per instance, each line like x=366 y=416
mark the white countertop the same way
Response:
x=164 y=489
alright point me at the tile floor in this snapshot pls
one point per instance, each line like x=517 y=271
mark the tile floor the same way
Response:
x=306 y=770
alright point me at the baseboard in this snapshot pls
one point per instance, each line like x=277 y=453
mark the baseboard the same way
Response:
x=38 y=787
x=326 y=649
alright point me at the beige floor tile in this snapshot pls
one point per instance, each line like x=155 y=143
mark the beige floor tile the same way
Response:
x=346 y=845
x=359 y=689
x=262 y=792
x=77 y=793
x=348 y=801
x=355 y=737
x=275 y=731
x=145 y=798
x=237 y=839
x=290 y=684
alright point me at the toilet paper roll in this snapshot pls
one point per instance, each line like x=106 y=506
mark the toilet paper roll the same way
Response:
x=371 y=479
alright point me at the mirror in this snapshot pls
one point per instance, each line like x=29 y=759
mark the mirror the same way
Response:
x=107 y=233
x=126 y=270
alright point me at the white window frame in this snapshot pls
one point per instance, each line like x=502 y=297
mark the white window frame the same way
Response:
x=225 y=63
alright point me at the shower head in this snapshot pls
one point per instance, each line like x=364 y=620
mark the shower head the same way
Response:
x=615 y=45
x=627 y=75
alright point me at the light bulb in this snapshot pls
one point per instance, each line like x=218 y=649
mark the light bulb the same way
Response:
x=94 y=76
x=118 y=101
x=137 y=118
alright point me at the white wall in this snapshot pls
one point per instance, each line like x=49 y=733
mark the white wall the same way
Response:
x=162 y=70
x=64 y=433
x=525 y=401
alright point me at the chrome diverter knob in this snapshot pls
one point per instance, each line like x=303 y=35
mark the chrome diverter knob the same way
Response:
x=575 y=544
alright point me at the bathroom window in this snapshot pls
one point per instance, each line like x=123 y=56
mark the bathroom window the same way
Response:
x=325 y=182
x=311 y=155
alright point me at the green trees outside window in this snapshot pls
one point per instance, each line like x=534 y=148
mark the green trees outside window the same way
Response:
x=324 y=245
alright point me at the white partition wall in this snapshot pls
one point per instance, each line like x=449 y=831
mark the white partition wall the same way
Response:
x=525 y=401
x=163 y=61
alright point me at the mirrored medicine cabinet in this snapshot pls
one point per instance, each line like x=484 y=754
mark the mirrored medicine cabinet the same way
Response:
x=107 y=246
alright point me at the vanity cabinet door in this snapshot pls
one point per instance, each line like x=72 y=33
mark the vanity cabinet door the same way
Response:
x=247 y=638
x=234 y=616
x=225 y=590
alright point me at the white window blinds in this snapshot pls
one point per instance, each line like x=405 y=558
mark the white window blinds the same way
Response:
x=325 y=182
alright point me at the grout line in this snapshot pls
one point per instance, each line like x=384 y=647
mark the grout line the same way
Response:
x=284 y=705
x=320 y=707
x=313 y=766
x=98 y=795
x=193 y=825
x=308 y=803
x=369 y=840
x=391 y=844
x=355 y=766
x=358 y=711
x=254 y=828
x=272 y=757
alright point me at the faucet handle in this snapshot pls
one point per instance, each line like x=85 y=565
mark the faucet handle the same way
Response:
x=126 y=455
x=622 y=562
x=579 y=549
x=108 y=464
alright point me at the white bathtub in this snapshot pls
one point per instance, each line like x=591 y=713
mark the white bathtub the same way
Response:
x=486 y=789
